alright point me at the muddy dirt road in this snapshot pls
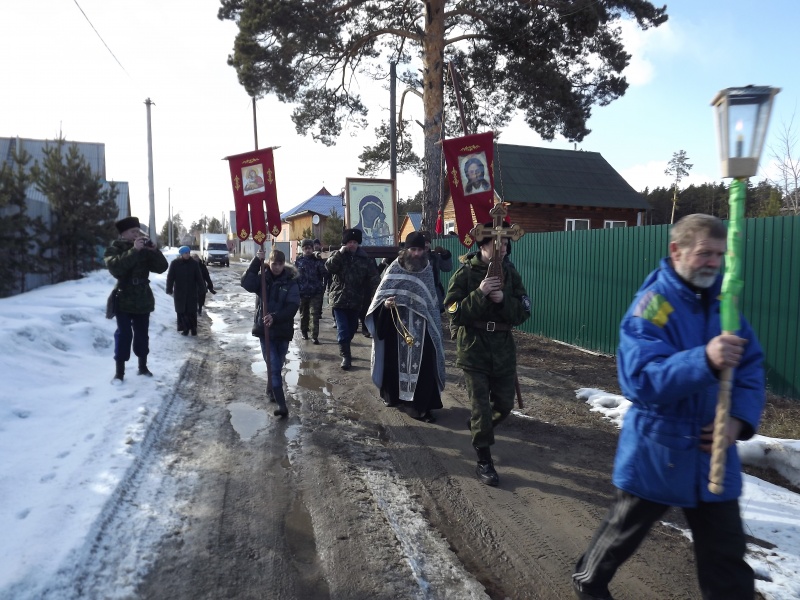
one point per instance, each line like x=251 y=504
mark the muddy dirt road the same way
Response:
x=349 y=499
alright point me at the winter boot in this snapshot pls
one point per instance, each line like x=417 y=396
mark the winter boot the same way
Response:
x=344 y=352
x=485 y=468
x=143 y=370
x=270 y=395
x=120 y=374
x=282 y=410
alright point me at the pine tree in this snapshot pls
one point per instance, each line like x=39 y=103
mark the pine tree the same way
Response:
x=18 y=231
x=178 y=231
x=332 y=234
x=550 y=61
x=82 y=211
x=678 y=167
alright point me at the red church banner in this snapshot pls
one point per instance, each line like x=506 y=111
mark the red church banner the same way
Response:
x=470 y=174
x=253 y=182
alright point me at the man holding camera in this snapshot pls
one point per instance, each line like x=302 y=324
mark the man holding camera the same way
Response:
x=131 y=259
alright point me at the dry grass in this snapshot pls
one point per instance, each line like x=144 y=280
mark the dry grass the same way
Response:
x=781 y=418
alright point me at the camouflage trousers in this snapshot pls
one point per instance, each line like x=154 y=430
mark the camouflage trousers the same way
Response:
x=492 y=399
x=310 y=309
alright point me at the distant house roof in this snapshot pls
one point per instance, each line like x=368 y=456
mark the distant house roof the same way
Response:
x=416 y=220
x=320 y=203
x=527 y=175
x=94 y=153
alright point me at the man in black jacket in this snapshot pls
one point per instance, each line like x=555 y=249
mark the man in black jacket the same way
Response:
x=353 y=273
x=283 y=300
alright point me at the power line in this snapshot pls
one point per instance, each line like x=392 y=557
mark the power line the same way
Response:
x=99 y=36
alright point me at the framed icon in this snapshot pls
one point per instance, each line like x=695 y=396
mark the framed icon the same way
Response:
x=371 y=206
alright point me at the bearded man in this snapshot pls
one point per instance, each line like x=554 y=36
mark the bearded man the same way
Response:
x=406 y=328
x=672 y=351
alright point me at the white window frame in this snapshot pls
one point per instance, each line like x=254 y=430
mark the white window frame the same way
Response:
x=610 y=224
x=449 y=227
x=570 y=225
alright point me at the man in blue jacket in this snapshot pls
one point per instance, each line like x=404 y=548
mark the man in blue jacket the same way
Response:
x=670 y=356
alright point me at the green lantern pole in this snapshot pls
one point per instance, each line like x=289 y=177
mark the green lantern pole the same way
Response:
x=742 y=115
x=732 y=285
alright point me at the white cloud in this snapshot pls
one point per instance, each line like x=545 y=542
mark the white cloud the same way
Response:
x=645 y=47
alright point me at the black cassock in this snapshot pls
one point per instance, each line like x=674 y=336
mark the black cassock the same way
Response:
x=426 y=394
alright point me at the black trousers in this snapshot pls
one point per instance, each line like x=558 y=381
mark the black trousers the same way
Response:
x=131 y=328
x=719 y=546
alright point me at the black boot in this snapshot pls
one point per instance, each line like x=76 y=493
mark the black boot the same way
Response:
x=282 y=410
x=120 y=374
x=270 y=395
x=143 y=370
x=485 y=469
x=344 y=352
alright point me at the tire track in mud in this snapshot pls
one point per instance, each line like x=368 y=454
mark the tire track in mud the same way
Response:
x=112 y=552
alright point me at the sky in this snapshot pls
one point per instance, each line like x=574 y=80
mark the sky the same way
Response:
x=58 y=76
x=79 y=452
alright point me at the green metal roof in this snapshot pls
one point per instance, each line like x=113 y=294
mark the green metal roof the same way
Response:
x=526 y=174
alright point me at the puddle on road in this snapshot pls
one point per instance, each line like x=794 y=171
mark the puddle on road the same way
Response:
x=247 y=420
x=217 y=324
x=299 y=376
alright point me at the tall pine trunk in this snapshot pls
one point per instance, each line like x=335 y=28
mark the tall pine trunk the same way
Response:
x=433 y=101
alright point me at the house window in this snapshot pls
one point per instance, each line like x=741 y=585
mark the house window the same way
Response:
x=612 y=224
x=577 y=224
x=449 y=227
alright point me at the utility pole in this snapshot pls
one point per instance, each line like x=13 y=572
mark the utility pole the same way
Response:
x=392 y=121
x=255 y=123
x=152 y=226
x=169 y=215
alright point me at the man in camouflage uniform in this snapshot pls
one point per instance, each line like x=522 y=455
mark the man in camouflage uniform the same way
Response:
x=131 y=259
x=352 y=271
x=484 y=311
x=312 y=276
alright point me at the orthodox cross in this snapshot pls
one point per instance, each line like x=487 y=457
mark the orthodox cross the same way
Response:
x=498 y=233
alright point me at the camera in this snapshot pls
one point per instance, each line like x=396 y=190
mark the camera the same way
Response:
x=148 y=243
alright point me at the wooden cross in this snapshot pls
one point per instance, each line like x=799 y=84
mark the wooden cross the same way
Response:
x=498 y=233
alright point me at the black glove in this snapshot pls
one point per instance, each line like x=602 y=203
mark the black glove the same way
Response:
x=443 y=251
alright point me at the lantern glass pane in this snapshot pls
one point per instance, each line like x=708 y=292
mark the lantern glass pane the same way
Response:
x=742 y=121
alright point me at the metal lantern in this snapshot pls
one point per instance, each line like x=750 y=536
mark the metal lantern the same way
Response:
x=742 y=115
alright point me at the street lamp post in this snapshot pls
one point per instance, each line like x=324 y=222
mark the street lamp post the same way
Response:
x=742 y=115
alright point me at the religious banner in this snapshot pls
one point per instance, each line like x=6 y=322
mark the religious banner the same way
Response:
x=253 y=182
x=470 y=174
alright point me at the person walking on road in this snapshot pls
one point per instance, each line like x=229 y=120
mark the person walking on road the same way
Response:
x=209 y=285
x=283 y=300
x=406 y=327
x=311 y=281
x=352 y=272
x=483 y=311
x=671 y=353
x=131 y=259
x=185 y=284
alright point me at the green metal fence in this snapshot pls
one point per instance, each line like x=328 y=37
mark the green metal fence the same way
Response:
x=582 y=282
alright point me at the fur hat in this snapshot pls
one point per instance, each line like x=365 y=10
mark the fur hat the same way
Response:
x=316 y=241
x=351 y=234
x=184 y=250
x=127 y=223
x=427 y=235
x=488 y=239
x=415 y=239
x=306 y=242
